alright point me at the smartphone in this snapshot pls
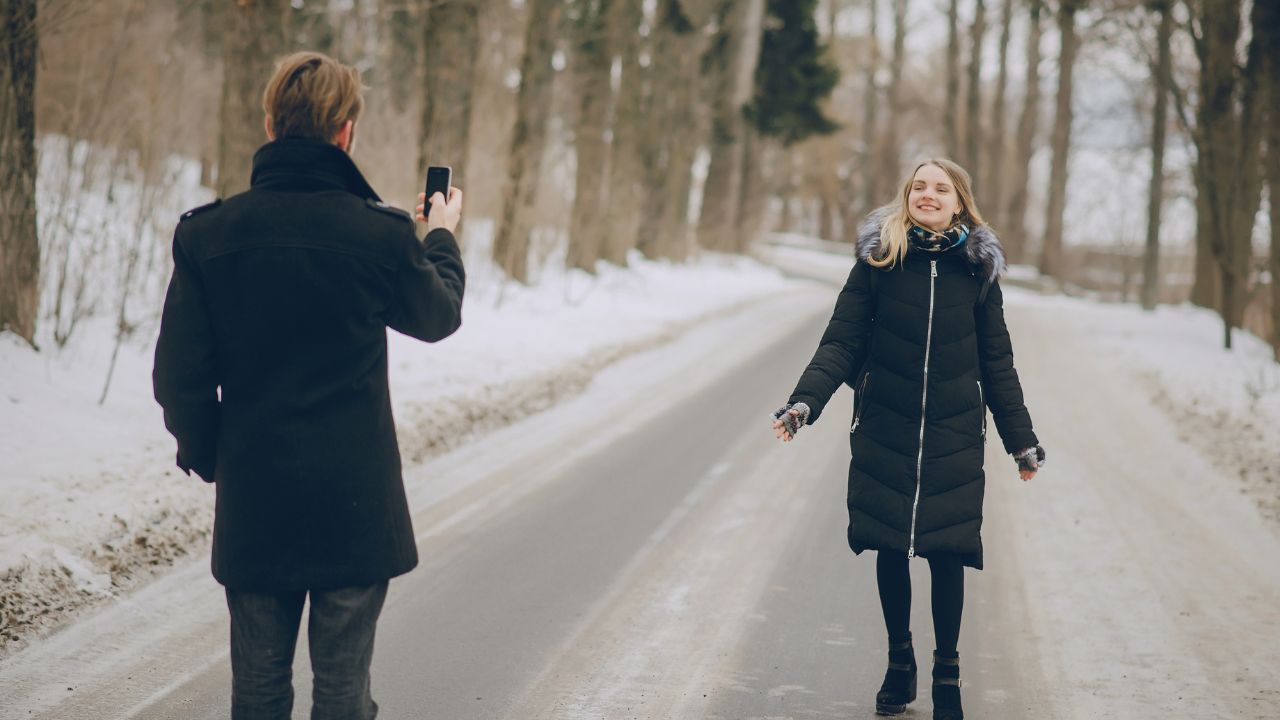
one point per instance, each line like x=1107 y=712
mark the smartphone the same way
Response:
x=439 y=178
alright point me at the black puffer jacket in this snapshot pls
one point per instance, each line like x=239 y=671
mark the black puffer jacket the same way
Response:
x=923 y=357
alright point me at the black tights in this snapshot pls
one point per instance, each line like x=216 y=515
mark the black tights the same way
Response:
x=947 y=596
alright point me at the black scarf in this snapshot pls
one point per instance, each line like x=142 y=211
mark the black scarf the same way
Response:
x=931 y=241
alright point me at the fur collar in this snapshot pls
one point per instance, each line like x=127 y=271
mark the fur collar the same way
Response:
x=982 y=250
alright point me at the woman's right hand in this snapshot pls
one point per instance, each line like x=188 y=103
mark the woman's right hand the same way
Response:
x=788 y=420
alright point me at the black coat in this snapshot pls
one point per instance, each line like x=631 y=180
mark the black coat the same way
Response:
x=271 y=367
x=916 y=485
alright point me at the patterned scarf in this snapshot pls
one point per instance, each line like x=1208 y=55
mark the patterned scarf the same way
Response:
x=930 y=241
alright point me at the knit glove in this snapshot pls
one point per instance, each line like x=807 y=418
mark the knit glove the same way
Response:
x=792 y=423
x=1032 y=458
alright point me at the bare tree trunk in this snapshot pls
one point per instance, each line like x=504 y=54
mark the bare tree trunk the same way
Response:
x=973 y=113
x=733 y=62
x=949 y=114
x=255 y=39
x=528 y=137
x=870 y=171
x=401 y=50
x=1016 y=212
x=1051 y=252
x=19 y=246
x=750 y=219
x=1228 y=142
x=626 y=170
x=826 y=213
x=591 y=75
x=1206 y=290
x=679 y=44
x=451 y=44
x=995 y=157
x=1272 y=123
x=1159 y=121
x=890 y=158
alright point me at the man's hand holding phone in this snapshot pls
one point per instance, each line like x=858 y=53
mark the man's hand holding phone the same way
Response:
x=445 y=213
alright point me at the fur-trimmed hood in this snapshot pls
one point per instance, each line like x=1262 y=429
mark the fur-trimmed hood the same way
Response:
x=982 y=250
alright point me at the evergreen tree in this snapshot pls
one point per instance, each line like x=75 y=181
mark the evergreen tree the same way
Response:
x=793 y=75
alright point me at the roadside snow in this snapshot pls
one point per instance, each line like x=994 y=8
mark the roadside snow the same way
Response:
x=1224 y=403
x=94 y=503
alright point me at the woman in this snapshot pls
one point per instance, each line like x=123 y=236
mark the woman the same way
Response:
x=919 y=333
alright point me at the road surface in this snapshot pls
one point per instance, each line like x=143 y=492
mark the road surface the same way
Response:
x=648 y=550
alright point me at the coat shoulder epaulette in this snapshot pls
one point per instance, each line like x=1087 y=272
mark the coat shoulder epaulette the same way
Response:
x=388 y=209
x=197 y=210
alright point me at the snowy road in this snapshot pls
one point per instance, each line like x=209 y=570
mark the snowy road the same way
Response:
x=649 y=551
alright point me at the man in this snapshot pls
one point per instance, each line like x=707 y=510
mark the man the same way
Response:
x=271 y=367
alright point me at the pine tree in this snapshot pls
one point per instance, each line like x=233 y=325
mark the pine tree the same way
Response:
x=793 y=75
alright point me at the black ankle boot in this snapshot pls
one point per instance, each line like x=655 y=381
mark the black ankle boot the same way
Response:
x=899 y=687
x=946 y=688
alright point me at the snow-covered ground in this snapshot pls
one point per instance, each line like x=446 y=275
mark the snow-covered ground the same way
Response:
x=1224 y=403
x=94 y=502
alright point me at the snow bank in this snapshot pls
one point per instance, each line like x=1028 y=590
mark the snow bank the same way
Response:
x=1225 y=403
x=93 y=500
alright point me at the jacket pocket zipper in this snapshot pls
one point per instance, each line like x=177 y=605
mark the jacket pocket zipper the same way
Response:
x=859 y=402
x=982 y=407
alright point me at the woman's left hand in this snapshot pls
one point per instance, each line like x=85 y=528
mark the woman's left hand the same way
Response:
x=1029 y=461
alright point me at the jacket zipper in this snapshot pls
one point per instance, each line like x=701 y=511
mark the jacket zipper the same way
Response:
x=982 y=407
x=860 y=399
x=924 y=400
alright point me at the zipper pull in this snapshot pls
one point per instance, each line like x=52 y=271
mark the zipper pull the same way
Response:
x=933 y=268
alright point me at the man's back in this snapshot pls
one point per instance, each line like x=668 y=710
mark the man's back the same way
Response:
x=288 y=290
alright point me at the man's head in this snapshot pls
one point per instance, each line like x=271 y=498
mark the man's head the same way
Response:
x=311 y=95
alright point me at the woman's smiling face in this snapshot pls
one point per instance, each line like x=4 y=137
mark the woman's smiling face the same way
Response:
x=933 y=202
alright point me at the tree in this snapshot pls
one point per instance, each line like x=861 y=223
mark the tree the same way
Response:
x=994 y=164
x=451 y=44
x=1016 y=207
x=19 y=246
x=792 y=78
x=973 y=112
x=1228 y=139
x=866 y=154
x=1051 y=251
x=591 y=67
x=678 y=46
x=732 y=61
x=950 y=116
x=255 y=38
x=889 y=165
x=793 y=75
x=528 y=138
x=1159 y=122
x=1272 y=123
x=626 y=167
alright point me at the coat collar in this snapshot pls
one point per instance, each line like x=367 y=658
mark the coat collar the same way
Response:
x=982 y=250
x=305 y=165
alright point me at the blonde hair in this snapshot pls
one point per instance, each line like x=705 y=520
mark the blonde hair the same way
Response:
x=897 y=218
x=311 y=95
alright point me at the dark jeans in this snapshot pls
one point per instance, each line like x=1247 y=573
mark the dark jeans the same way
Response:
x=264 y=633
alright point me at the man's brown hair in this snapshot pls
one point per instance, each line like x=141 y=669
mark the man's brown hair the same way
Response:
x=311 y=95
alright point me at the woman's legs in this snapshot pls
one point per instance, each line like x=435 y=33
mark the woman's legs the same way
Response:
x=894 y=583
x=947 y=597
